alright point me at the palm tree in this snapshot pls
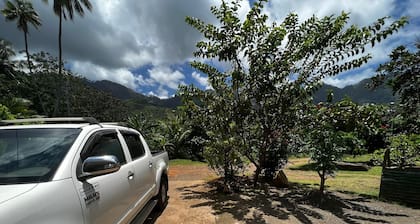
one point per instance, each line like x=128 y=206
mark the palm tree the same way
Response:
x=6 y=52
x=65 y=9
x=24 y=14
x=6 y=64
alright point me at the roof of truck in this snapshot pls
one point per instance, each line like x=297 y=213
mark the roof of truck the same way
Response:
x=61 y=122
x=29 y=126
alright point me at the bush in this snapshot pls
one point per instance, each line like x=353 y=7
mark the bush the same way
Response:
x=404 y=149
x=5 y=113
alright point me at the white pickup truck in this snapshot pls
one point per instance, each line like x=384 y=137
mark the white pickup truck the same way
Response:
x=76 y=170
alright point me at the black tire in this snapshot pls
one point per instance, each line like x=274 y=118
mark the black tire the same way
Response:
x=162 y=197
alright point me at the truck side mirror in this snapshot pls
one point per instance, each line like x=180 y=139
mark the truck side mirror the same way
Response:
x=99 y=165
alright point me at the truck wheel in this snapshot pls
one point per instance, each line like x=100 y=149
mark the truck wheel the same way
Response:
x=162 y=197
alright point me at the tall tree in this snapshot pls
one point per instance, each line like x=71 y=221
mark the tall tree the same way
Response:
x=402 y=75
x=274 y=70
x=23 y=12
x=7 y=70
x=6 y=52
x=65 y=9
x=325 y=141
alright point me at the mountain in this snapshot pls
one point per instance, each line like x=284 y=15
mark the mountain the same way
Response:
x=137 y=101
x=132 y=97
x=116 y=90
x=359 y=93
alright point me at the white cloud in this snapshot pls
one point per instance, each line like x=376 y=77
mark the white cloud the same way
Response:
x=362 y=12
x=165 y=76
x=203 y=81
x=157 y=29
x=162 y=93
x=118 y=37
x=95 y=72
x=341 y=81
x=413 y=9
x=120 y=33
x=243 y=10
x=142 y=81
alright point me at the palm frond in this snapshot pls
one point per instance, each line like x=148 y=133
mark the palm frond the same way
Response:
x=23 y=12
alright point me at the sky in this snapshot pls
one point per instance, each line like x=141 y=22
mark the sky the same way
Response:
x=147 y=46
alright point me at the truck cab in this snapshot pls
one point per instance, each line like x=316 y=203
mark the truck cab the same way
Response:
x=77 y=170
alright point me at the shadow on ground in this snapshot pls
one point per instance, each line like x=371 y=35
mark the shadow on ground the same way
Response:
x=297 y=203
x=154 y=215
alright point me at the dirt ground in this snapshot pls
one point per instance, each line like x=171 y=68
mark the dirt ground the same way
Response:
x=194 y=199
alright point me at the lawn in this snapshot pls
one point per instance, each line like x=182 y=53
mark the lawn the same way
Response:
x=176 y=162
x=301 y=171
x=359 y=182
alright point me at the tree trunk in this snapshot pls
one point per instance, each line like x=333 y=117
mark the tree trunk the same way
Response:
x=60 y=67
x=322 y=185
x=387 y=159
x=68 y=94
x=256 y=175
x=58 y=96
x=27 y=52
x=225 y=168
x=59 y=42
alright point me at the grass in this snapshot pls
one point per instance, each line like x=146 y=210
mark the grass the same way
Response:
x=302 y=172
x=185 y=162
x=359 y=158
x=358 y=182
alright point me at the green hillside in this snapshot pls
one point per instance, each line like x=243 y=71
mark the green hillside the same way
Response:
x=359 y=93
x=137 y=100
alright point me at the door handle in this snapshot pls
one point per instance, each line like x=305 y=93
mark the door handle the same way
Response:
x=130 y=175
x=150 y=164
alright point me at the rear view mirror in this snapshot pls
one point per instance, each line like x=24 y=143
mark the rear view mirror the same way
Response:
x=99 y=165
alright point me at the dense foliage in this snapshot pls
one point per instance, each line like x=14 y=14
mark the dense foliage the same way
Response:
x=402 y=74
x=260 y=105
x=255 y=103
x=41 y=92
x=344 y=127
x=175 y=134
x=23 y=12
x=404 y=150
x=326 y=142
x=5 y=113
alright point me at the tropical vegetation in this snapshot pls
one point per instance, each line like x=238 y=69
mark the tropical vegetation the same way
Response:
x=23 y=12
x=260 y=109
x=257 y=103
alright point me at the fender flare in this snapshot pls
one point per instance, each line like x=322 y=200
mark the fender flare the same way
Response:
x=162 y=171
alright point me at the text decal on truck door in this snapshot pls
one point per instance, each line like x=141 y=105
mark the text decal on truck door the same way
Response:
x=90 y=193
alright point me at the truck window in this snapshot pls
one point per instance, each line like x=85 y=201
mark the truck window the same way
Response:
x=33 y=155
x=135 y=146
x=107 y=144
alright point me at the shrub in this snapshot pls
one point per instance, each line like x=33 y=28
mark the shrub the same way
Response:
x=404 y=149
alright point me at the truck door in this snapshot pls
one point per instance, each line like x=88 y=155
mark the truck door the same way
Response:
x=144 y=179
x=106 y=198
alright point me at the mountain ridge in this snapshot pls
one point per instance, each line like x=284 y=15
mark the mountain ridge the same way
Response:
x=132 y=97
x=359 y=93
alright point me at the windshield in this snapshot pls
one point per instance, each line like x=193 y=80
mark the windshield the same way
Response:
x=33 y=155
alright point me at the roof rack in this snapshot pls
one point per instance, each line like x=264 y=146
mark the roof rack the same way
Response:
x=51 y=120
